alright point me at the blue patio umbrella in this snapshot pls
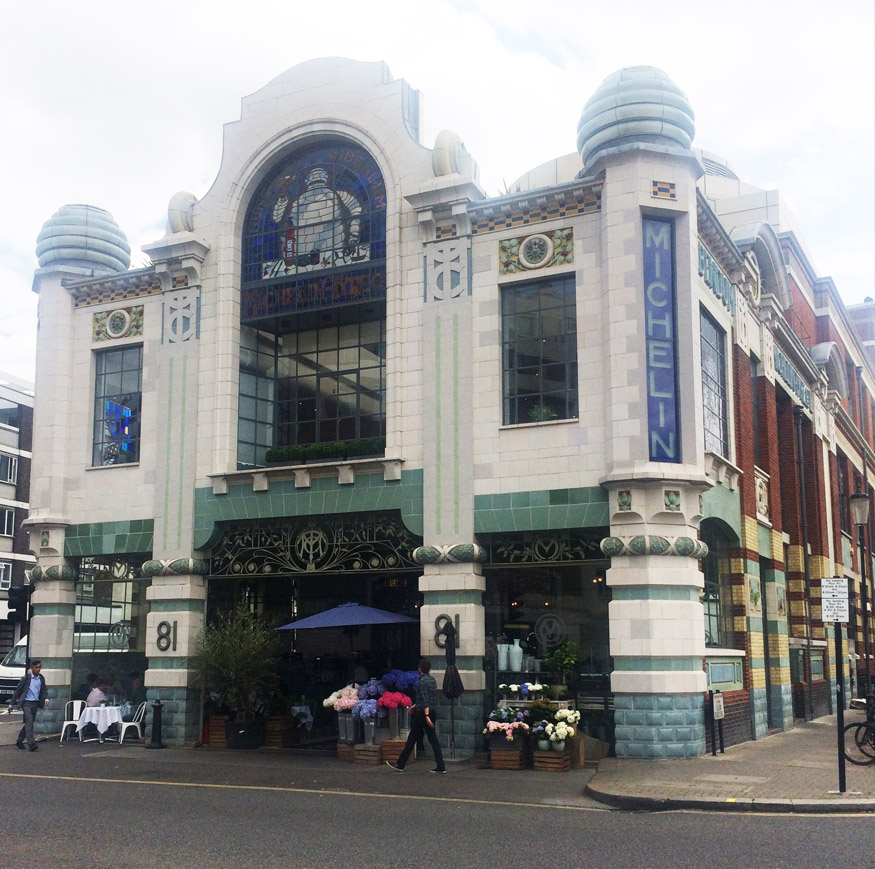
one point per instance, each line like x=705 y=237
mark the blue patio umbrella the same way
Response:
x=348 y=615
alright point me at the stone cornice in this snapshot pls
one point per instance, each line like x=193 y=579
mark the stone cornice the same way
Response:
x=558 y=195
x=715 y=237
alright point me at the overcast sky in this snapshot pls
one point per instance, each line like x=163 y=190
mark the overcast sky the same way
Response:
x=120 y=105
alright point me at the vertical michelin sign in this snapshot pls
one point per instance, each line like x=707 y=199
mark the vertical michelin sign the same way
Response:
x=663 y=433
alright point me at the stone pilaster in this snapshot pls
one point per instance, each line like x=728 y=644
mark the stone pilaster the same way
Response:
x=177 y=598
x=53 y=607
x=657 y=630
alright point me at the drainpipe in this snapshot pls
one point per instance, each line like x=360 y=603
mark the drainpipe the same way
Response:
x=800 y=468
x=864 y=590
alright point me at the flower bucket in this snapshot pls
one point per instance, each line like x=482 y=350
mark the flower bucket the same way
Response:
x=394 y=727
x=370 y=731
x=543 y=745
x=558 y=745
x=403 y=722
x=345 y=727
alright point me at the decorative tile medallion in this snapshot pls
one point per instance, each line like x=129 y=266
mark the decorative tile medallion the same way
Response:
x=120 y=323
x=672 y=500
x=624 y=500
x=663 y=190
x=542 y=250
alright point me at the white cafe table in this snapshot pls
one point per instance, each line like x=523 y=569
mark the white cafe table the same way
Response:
x=102 y=717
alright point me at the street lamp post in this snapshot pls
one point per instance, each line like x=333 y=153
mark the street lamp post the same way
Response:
x=860 y=512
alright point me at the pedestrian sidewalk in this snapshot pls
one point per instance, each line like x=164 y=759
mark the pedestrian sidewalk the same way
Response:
x=793 y=771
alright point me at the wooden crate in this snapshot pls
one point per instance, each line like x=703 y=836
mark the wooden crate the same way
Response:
x=278 y=732
x=367 y=754
x=391 y=748
x=551 y=761
x=345 y=751
x=507 y=760
x=574 y=747
x=217 y=731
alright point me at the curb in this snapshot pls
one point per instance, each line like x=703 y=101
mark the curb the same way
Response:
x=634 y=803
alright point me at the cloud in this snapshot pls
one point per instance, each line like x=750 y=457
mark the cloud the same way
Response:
x=122 y=105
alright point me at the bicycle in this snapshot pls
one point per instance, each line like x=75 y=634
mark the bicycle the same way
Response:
x=859 y=736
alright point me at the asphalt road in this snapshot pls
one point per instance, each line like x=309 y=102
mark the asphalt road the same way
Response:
x=105 y=806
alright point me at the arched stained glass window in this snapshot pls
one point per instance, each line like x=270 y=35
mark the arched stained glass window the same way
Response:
x=312 y=308
x=322 y=209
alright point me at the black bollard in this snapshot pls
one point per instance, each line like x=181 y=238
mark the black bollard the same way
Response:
x=156 y=726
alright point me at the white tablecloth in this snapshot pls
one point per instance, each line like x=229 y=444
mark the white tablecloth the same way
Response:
x=102 y=717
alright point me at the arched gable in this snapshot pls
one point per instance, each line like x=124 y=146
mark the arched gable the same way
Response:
x=762 y=240
x=828 y=358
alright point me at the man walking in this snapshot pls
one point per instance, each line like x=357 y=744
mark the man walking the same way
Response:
x=31 y=694
x=422 y=721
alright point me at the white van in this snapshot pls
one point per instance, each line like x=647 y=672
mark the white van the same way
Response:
x=12 y=668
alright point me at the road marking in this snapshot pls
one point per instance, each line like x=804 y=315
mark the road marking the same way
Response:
x=318 y=792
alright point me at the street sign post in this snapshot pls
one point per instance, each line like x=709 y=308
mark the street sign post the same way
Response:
x=834 y=606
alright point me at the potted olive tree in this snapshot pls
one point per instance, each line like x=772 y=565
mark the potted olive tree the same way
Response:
x=561 y=662
x=235 y=660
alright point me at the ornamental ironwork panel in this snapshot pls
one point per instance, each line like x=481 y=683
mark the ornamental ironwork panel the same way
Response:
x=335 y=544
x=111 y=568
x=555 y=547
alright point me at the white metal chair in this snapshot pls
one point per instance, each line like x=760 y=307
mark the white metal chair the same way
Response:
x=72 y=711
x=137 y=723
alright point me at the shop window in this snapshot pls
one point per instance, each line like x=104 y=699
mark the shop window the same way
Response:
x=8 y=468
x=543 y=606
x=717 y=594
x=539 y=351
x=7 y=521
x=5 y=575
x=714 y=402
x=313 y=346
x=109 y=628
x=117 y=396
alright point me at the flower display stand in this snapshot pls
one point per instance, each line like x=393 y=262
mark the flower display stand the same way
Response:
x=345 y=751
x=368 y=755
x=391 y=748
x=551 y=761
x=508 y=760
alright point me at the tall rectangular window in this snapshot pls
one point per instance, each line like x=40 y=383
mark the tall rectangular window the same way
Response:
x=755 y=412
x=7 y=521
x=844 y=492
x=713 y=341
x=312 y=386
x=117 y=396
x=5 y=575
x=8 y=468
x=539 y=351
